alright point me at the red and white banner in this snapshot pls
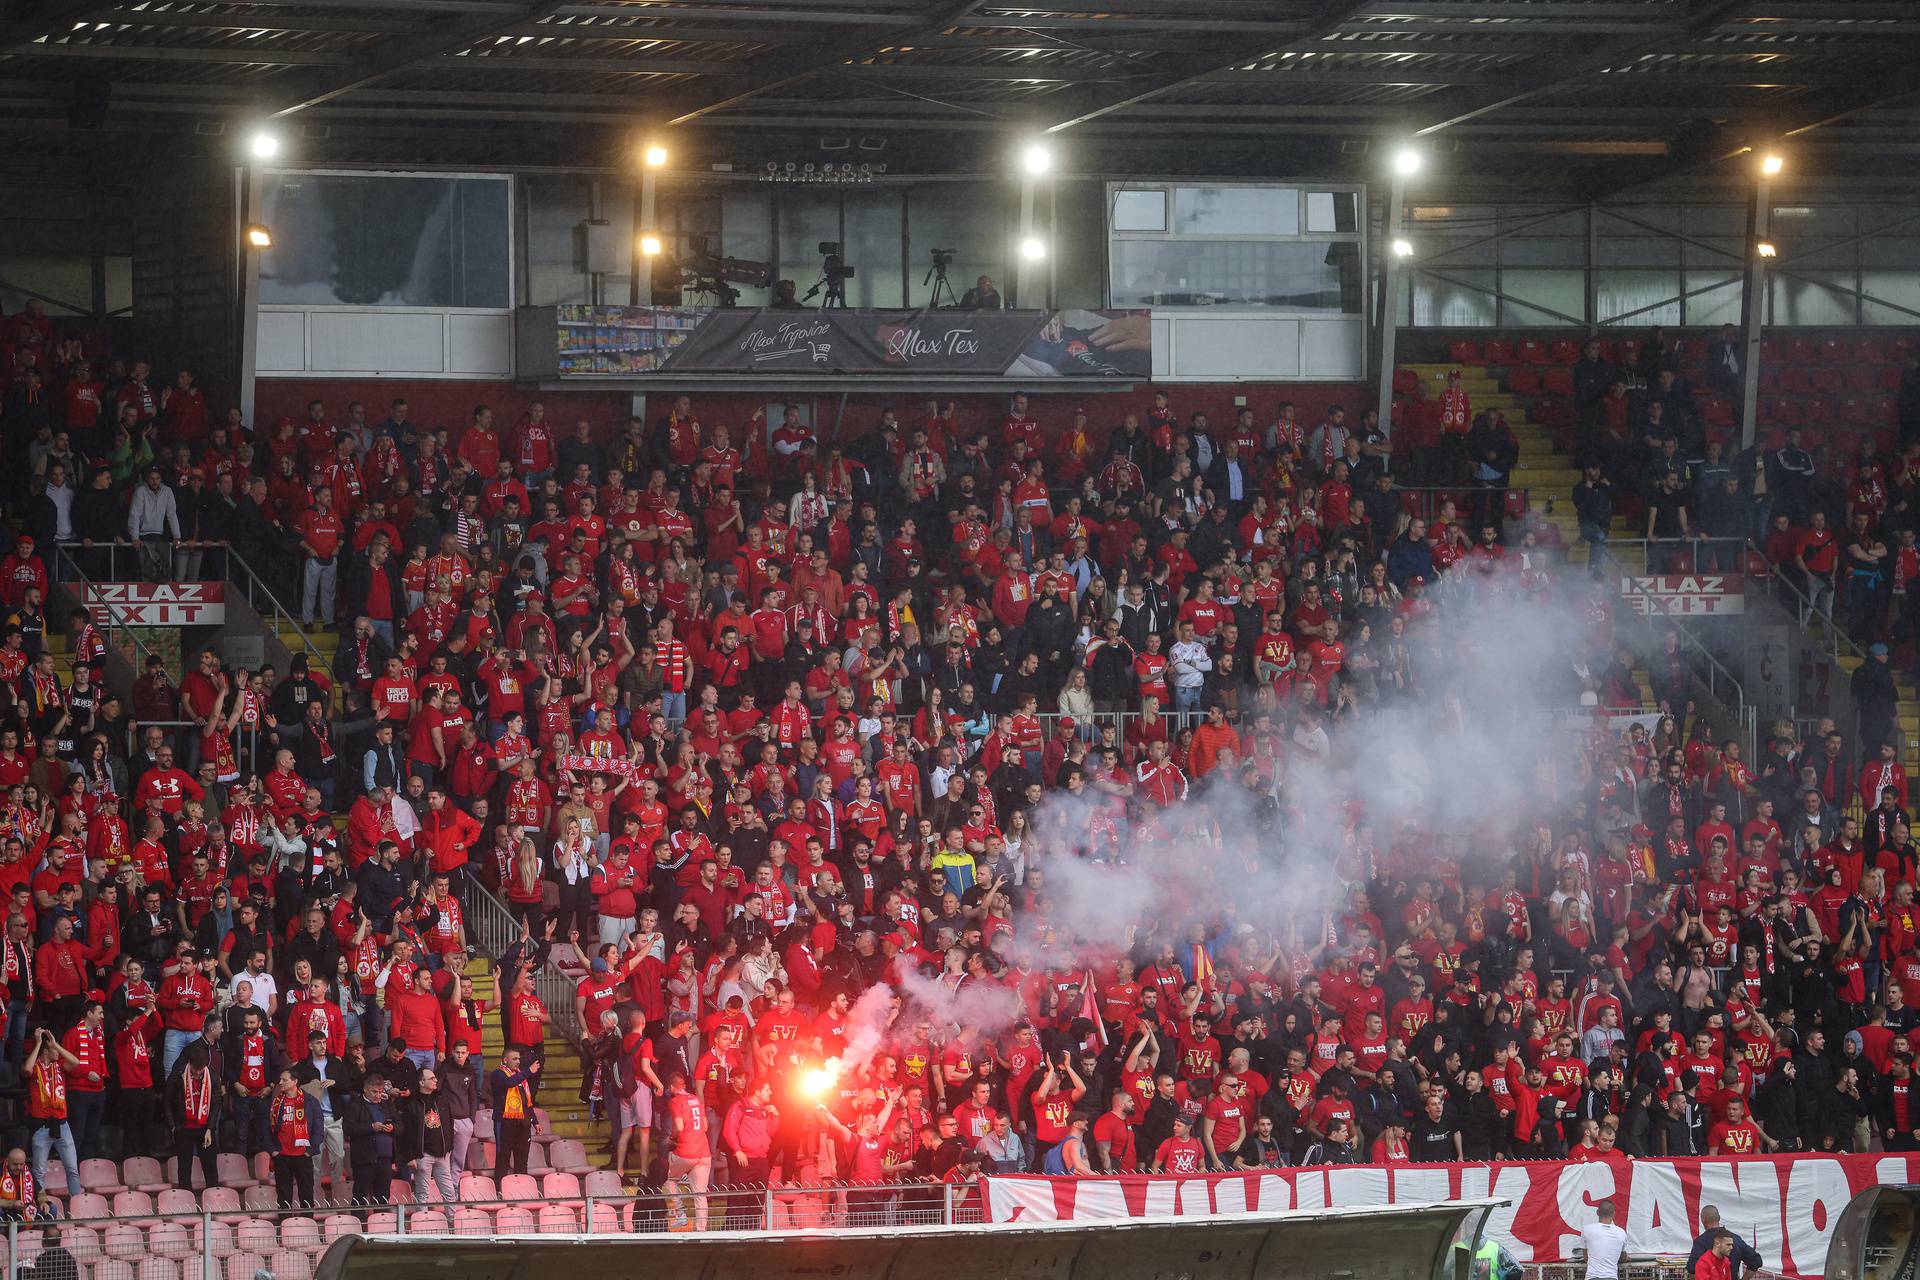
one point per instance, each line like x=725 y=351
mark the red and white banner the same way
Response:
x=1686 y=595
x=596 y=764
x=157 y=604
x=1784 y=1206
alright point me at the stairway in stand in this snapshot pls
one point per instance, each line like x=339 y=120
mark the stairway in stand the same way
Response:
x=560 y=1076
x=1548 y=476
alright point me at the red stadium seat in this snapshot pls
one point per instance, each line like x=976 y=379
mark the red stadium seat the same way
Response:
x=1856 y=411
x=1608 y=352
x=1523 y=381
x=1836 y=351
x=1770 y=351
x=1693 y=351
x=1716 y=411
x=143 y=1173
x=1869 y=351
x=1499 y=352
x=1566 y=352
x=1801 y=351
x=1820 y=412
x=1558 y=382
x=1897 y=349
x=1629 y=351
x=1863 y=379
x=1773 y=410
x=1890 y=376
x=1795 y=381
x=1886 y=410
x=1830 y=381
x=1405 y=381
x=1462 y=351
x=1769 y=382
x=1532 y=351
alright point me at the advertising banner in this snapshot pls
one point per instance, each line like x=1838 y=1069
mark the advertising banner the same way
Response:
x=1685 y=595
x=157 y=604
x=602 y=341
x=1784 y=1206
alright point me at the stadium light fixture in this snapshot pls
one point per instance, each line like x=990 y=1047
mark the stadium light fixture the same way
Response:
x=1037 y=158
x=263 y=144
x=1772 y=163
x=1403 y=248
x=650 y=243
x=258 y=236
x=1766 y=249
x=1033 y=249
x=1407 y=161
x=655 y=155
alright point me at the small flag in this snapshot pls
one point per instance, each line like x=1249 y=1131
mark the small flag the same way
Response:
x=1090 y=1008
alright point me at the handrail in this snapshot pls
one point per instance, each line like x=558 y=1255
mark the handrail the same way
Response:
x=1688 y=640
x=495 y=929
x=112 y=612
x=1804 y=609
x=280 y=611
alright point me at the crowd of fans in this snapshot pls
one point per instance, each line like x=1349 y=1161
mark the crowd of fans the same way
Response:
x=806 y=755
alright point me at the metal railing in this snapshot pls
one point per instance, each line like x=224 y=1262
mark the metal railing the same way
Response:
x=1721 y=684
x=238 y=573
x=92 y=599
x=495 y=929
x=289 y=1241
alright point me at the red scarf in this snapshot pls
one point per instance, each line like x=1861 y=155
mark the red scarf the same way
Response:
x=290 y=1125
x=196 y=1088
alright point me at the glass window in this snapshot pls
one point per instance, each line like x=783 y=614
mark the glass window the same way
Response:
x=972 y=219
x=385 y=240
x=1236 y=211
x=1140 y=210
x=1637 y=298
x=1719 y=304
x=1455 y=302
x=1561 y=297
x=1893 y=297
x=808 y=219
x=1302 y=274
x=873 y=246
x=1530 y=252
x=1333 y=211
x=1812 y=298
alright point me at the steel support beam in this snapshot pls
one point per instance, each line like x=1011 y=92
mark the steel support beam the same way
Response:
x=1753 y=311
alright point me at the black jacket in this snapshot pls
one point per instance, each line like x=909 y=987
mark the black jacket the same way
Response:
x=357 y=1119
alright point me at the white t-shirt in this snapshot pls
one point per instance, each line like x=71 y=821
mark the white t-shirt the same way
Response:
x=1604 y=1243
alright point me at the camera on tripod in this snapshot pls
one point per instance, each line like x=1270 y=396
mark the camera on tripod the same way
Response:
x=834 y=274
x=942 y=259
x=942 y=295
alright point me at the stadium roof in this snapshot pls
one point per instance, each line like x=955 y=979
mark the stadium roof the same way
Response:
x=1555 y=97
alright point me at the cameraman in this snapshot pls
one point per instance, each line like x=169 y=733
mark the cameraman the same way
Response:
x=982 y=297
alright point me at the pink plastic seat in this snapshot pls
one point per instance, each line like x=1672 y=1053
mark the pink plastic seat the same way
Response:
x=560 y=1186
x=131 y=1204
x=603 y=1182
x=558 y=1220
x=174 y=1201
x=241 y=1266
x=291 y=1264
x=111 y=1269
x=477 y=1186
x=519 y=1186
x=80 y=1240
x=300 y=1233
x=569 y=1155
x=258 y=1199
x=170 y=1240
x=223 y=1202
x=335 y=1225
x=124 y=1240
x=219 y=1237
x=469 y=1221
x=513 y=1221
x=102 y=1176
x=234 y=1171
x=144 y=1173
x=606 y=1220
x=157 y=1269
x=257 y=1235
x=383 y=1223
x=89 y=1205
x=427 y=1222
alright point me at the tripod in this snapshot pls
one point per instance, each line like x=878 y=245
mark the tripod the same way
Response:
x=942 y=287
x=836 y=287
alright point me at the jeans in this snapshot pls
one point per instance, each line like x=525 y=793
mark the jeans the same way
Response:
x=673 y=706
x=250 y=1118
x=1186 y=699
x=322 y=576
x=383 y=629
x=43 y=1139
x=86 y=1108
x=462 y=1139
x=423 y=1058
x=187 y=562
x=1820 y=593
x=170 y=1049
x=437 y=1171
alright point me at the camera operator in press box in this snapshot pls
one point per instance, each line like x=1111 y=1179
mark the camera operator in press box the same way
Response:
x=982 y=297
